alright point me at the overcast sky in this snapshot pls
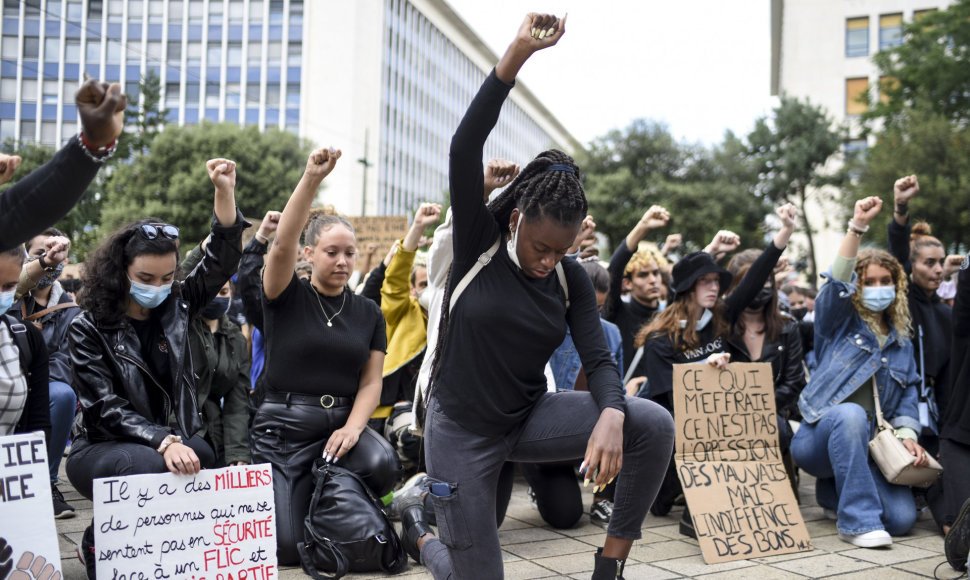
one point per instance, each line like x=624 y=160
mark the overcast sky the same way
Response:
x=700 y=66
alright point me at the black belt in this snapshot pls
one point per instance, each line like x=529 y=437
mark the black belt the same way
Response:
x=325 y=401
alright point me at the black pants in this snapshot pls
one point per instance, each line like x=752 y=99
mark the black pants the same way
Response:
x=558 y=496
x=955 y=458
x=90 y=461
x=291 y=437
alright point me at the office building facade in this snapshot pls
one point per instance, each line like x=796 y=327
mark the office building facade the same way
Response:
x=384 y=80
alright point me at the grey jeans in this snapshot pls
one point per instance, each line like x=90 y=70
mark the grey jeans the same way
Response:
x=558 y=429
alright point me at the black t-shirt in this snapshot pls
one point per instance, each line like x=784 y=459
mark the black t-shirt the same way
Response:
x=304 y=355
x=154 y=349
x=506 y=325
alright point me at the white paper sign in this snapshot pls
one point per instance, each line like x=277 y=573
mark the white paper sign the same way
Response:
x=28 y=537
x=217 y=525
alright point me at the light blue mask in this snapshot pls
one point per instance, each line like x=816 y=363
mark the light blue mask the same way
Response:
x=147 y=295
x=878 y=298
x=6 y=300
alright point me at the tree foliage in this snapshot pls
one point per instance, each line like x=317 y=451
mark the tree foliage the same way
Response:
x=171 y=182
x=790 y=149
x=705 y=190
x=144 y=117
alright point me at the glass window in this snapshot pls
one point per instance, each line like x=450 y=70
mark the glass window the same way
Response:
x=7 y=129
x=191 y=94
x=293 y=95
x=51 y=92
x=296 y=12
x=156 y=10
x=31 y=47
x=28 y=90
x=53 y=9
x=294 y=54
x=11 y=8
x=31 y=8
x=234 y=54
x=52 y=49
x=116 y=10
x=95 y=8
x=857 y=36
x=215 y=11
x=212 y=99
x=72 y=50
x=114 y=52
x=890 y=30
x=255 y=53
x=135 y=10
x=272 y=95
x=8 y=89
x=27 y=130
x=171 y=95
x=10 y=48
x=196 y=10
x=132 y=91
x=856 y=95
x=174 y=50
x=74 y=10
x=175 y=11
x=275 y=53
x=252 y=94
x=68 y=129
x=154 y=50
x=194 y=53
x=69 y=89
x=237 y=10
x=48 y=133
x=276 y=12
x=92 y=53
x=214 y=55
x=256 y=10
x=232 y=98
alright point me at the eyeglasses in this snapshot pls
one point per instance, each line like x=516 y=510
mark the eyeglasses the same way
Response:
x=152 y=231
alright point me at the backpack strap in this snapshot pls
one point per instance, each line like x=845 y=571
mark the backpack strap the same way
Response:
x=42 y=313
x=633 y=366
x=562 y=281
x=480 y=263
x=19 y=333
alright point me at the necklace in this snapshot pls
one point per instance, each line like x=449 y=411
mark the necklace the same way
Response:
x=322 y=309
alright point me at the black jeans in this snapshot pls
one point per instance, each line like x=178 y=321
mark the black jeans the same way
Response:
x=558 y=495
x=90 y=461
x=290 y=438
x=558 y=429
x=955 y=459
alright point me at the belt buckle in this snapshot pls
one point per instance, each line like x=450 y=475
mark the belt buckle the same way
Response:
x=325 y=403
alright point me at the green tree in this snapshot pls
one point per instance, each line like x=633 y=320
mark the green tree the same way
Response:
x=144 y=117
x=705 y=190
x=171 y=182
x=790 y=148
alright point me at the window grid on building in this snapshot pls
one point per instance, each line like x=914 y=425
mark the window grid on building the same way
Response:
x=857 y=36
x=890 y=30
x=856 y=95
x=427 y=85
x=195 y=47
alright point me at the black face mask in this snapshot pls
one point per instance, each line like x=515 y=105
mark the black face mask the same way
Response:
x=799 y=313
x=217 y=308
x=762 y=298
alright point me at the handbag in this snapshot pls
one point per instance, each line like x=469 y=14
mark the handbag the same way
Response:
x=893 y=459
x=346 y=529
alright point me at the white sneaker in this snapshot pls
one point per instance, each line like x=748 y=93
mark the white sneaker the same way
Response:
x=873 y=539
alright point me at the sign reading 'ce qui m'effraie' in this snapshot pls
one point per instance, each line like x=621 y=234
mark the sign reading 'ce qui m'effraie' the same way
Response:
x=28 y=537
x=730 y=465
x=219 y=524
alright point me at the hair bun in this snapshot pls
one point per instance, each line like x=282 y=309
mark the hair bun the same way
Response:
x=921 y=229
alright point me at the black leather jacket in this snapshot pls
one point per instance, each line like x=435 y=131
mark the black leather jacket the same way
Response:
x=120 y=399
x=785 y=356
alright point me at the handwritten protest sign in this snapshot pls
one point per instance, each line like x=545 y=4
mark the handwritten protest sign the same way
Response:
x=26 y=512
x=381 y=230
x=217 y=525
x=729 y=463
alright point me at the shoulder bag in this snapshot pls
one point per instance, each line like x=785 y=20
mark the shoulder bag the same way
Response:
x=894 y=460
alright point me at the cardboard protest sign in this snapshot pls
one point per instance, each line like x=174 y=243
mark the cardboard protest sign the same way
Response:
x=26 y=511
x=381 y=230
x=217 y=525
x=729 y=463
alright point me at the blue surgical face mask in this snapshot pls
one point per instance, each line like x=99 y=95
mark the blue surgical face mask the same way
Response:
x=6 y=300
x=217 y=308
x=513 y=242
x=878 y=298
x=147 y=295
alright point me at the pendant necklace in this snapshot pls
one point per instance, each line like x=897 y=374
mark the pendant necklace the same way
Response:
x=330 y=318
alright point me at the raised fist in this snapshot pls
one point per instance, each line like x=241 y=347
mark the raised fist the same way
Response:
x=904 y=189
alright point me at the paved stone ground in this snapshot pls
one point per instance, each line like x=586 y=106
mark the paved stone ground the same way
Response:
x=533 y=550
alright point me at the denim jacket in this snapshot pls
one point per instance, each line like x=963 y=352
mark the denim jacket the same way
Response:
x=849 y=355
x=565 y=361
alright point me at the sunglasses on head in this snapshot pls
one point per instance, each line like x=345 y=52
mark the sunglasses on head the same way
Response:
x=152 y=231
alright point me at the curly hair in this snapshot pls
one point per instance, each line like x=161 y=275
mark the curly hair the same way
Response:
x=897 y=314
x=104 y=278
x=642 y=259
x=539 y=191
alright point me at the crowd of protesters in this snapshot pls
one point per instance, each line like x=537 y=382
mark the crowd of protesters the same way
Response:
x=551 y=363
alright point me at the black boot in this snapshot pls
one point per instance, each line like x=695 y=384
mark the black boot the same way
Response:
x=608 y=568
x=413 y=525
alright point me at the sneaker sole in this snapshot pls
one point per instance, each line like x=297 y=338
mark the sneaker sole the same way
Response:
x=875 y=543
x=957 y=561
x=64 y=515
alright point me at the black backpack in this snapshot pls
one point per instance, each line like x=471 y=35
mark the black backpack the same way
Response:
x=346 y=529
x=19 y=332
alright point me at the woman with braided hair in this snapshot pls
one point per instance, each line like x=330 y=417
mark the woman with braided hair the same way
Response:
x=488 y=403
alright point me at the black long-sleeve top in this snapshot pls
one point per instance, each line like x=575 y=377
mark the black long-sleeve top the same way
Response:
x=45 y=195
x=931 y=316
x=660 y=354
x=956 y=415
x=506 y=325
x=249 y=284
x=628 y=317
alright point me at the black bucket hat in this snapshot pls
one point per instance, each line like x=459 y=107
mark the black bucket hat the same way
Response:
x=694 y=265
